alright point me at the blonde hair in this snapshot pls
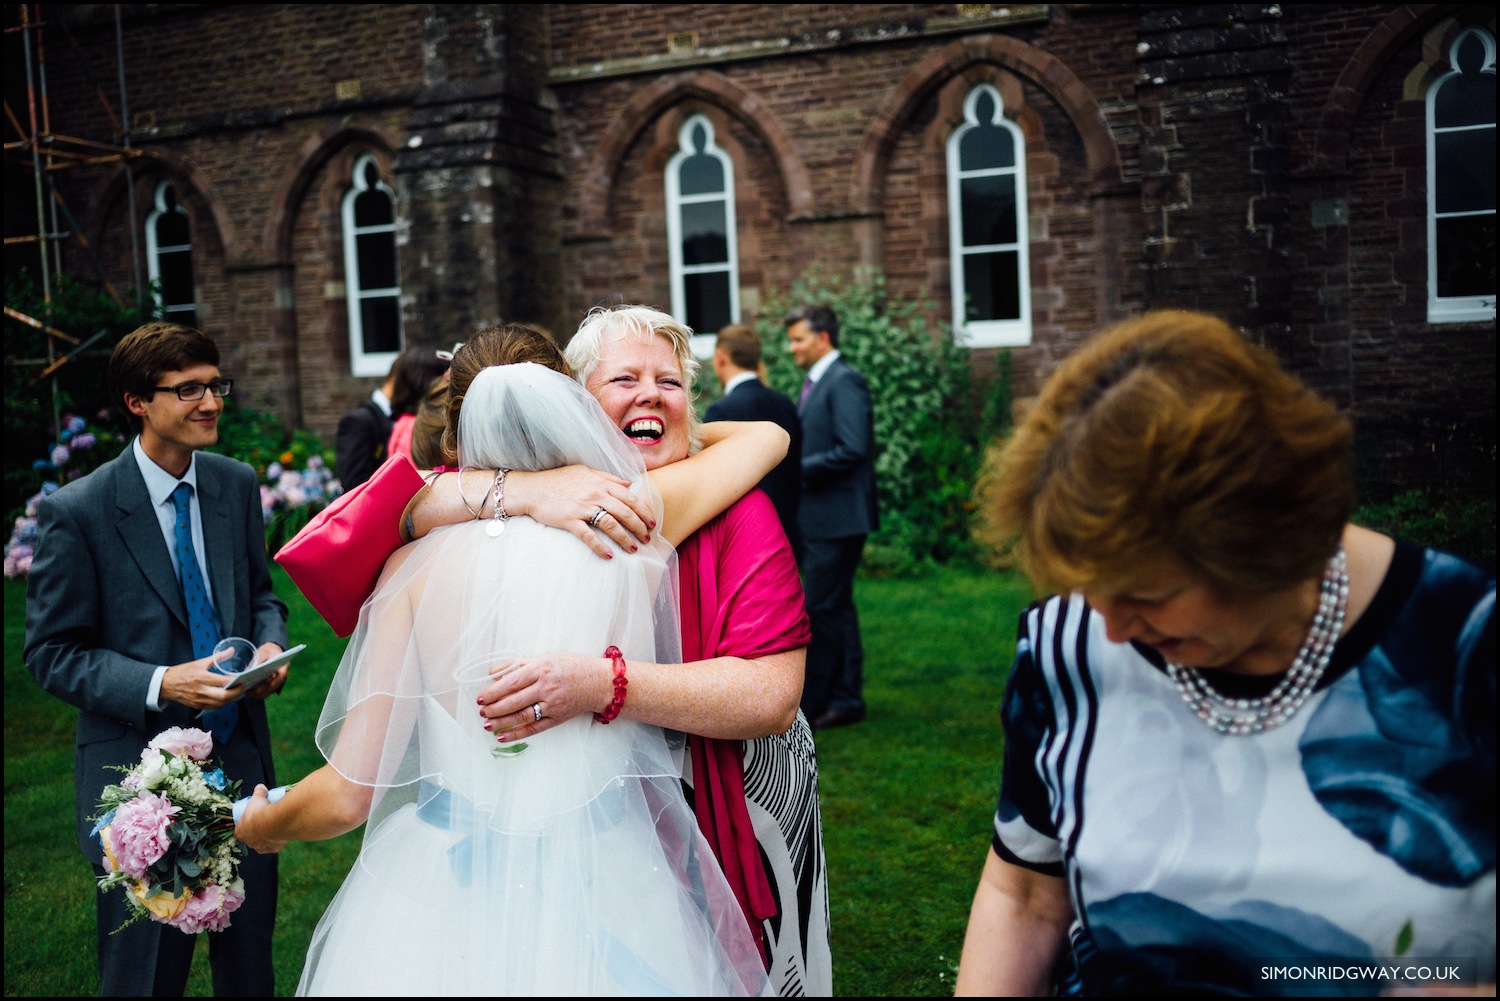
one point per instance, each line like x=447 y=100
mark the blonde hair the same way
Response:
x=1170 y=435
x=586 y=348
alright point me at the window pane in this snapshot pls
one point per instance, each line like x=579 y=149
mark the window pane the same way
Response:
x=381 y=320
x=176 y=270
x=172 y=230
x=707 y=301
x=993 y=287
x=1465 y=100
x=1466 y=256
x=700 y=174
x=373 y=208
x=377 y=260
x=705 y=238
x=1465 y=170
x=985 y=147
x=989 y=210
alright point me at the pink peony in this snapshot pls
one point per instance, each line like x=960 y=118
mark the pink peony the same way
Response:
x=209 y=909
x=139 y=832
x=185 y=742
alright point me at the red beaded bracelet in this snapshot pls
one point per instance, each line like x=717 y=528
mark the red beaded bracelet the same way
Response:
x=618 y=702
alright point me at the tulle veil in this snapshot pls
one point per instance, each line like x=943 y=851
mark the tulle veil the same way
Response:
x=574 y=867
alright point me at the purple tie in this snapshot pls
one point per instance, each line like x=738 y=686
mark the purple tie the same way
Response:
x=807 y=385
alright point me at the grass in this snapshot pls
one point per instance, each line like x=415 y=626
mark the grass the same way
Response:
x=906 y=796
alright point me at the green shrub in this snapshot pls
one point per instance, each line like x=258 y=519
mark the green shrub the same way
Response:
x=933 y=415
x=1462 y=526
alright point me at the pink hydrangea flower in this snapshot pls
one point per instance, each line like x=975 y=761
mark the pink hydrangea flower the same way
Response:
x=139 y=832
x=184 y=741
x=209 y=909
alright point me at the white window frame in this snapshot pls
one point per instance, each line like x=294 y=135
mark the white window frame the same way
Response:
x=362 y=362
x=155 y=250
x=988 y=333
x=703 y=341
x=1453 y=309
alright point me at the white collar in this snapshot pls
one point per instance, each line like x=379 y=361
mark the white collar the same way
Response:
x=159 y=482
x=821 y=366
x=738 y=380
x=382 y=401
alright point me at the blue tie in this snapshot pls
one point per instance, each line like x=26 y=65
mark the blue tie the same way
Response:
x=202 y=619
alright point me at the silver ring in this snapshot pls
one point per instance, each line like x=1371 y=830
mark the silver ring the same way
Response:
x=536 y=711
x=598 y=514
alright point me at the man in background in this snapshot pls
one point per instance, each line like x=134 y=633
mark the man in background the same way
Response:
x=838 y=511
x=363 y=433
x=737 y=363
x=141 y=567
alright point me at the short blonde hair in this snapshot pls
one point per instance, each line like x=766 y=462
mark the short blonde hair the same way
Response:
x=586 y=348
x=1171 y=435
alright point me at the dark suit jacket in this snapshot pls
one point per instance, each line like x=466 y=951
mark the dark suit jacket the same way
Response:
x=104 y=610
x=838 y=456
x=359 y=444
x=753 y=400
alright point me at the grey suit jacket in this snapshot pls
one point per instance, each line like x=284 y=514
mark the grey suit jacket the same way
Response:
x=104 y=610
x=838 y=456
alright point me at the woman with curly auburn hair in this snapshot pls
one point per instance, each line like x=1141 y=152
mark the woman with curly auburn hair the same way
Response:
x=1244 y=730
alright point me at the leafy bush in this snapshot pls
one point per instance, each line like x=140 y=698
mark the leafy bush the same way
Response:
x=1462 y=526
x=932 y=413
x=35 y=405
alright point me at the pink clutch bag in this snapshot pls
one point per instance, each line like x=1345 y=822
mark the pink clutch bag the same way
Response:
x=337 y=557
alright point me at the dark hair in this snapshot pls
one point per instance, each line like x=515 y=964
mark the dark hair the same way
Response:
x=741 y=345
x=147 y=353
x=1171 y=435
x=505 y=344
x=820 y=320
x=414 y=372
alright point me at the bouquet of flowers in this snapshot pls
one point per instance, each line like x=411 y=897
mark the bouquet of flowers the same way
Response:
x=168 y=835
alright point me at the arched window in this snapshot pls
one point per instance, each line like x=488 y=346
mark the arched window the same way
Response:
x=987 y=230
x=169 y=256
x=702 y=250
x=372 y=281
x=1461 y=184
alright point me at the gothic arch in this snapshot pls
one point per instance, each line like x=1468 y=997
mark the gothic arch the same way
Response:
x=314 y=156
x=649 y=104
x=1341 y=108
x=215 y=233
x=932 y=73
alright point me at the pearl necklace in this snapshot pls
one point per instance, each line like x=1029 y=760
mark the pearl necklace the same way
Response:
x=1240 y=717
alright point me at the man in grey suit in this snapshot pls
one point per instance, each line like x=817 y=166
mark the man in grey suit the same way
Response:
x=838 y=511
x=108 y=630
x=746 y=398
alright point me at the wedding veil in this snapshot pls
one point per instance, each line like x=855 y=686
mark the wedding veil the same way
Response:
x=577 y=858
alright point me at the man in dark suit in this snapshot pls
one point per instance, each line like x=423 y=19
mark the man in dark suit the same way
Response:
x=838 y=512
x=363 y=433
x=746 y=398
x=110 y=631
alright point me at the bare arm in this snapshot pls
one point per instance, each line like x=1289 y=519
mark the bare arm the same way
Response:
x=730 y=698
x=1018 y=927
x=736 y=455
x=321 y=806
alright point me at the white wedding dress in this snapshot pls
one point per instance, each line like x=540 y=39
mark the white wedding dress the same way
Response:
x=572 y=868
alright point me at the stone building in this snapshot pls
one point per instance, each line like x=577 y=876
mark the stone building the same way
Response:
x=317 y=185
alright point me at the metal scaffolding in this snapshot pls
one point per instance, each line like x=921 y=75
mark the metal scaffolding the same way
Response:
x=32 y=145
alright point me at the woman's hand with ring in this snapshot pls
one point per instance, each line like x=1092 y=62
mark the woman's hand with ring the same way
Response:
x=563 y=685
x=583 y=502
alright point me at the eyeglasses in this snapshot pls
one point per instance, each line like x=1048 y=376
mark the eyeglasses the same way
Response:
x=190 y=392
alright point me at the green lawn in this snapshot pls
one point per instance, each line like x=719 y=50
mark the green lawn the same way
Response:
x=906 y=796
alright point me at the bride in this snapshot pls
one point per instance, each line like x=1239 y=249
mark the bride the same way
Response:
x=569 y=864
